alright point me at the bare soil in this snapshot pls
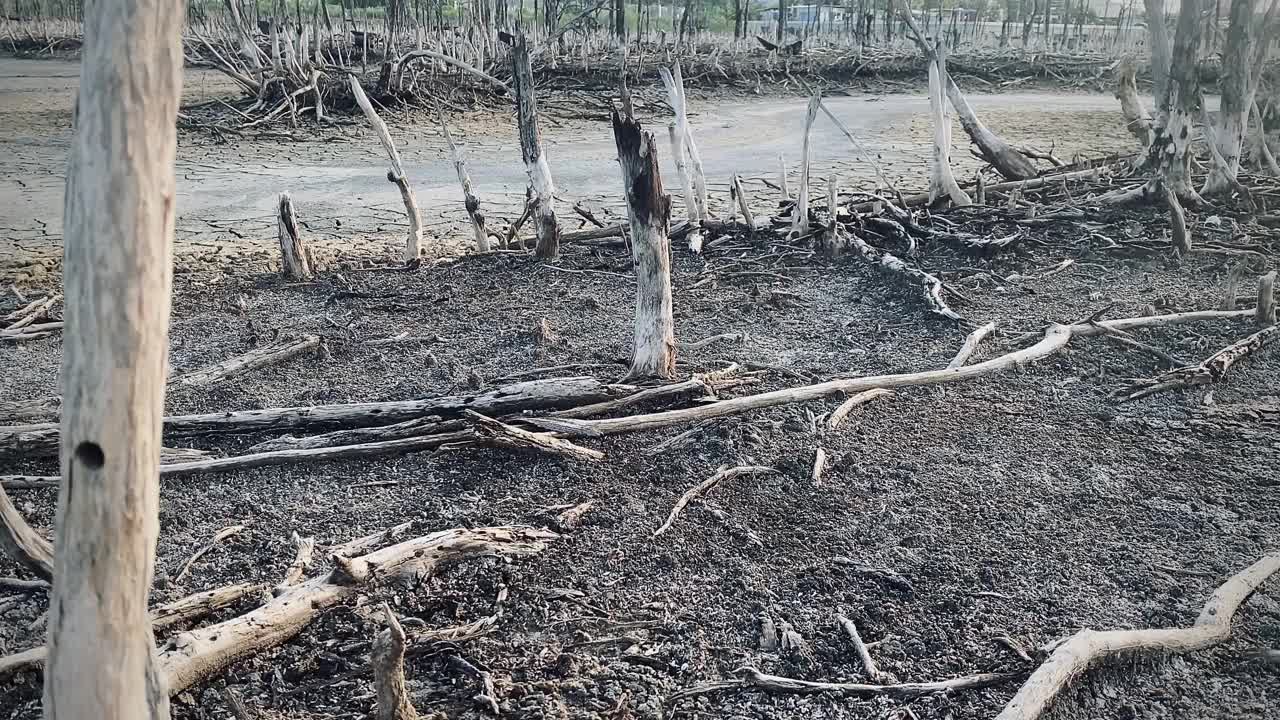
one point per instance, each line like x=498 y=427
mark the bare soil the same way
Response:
x=1023 y=505
x=227 y=186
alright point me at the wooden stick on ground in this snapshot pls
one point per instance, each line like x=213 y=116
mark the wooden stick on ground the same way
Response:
x=305 y=551
x=971 y=344
x=842 y=411
x=930 y=285
x=395 y=175
x=1212 y=370
x=387 y=660
x=750 y=678
x=819 y=466
x=1232 y=286
x=294 y=261
x=221 y=535
x=705 y=485
x=268 y=355
x=22 y=543
x=864 y=655
x=1073 y=658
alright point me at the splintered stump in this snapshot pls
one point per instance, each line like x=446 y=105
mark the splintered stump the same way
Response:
x=942 y=182
x=294 y=262
x=469 y=199
x=387 y=659
x=800 y=213
x=649 y=211
x=545 y=224
x=688 y=161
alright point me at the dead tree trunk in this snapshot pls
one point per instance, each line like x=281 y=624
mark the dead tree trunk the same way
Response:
x=535 y=161
x=294 y=262
x=800 y=213
x=1227 y=135
x=942 y=182
x=117 y=267
x=649 y=210
x=1136 y=118
x=387 y=659
x=1168 y=156
x=696 y=183
x=1160 y=58
x=396 y=173
x=1007 y=161
x=469 y=199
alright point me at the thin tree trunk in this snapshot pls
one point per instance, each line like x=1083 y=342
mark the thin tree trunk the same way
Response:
x=943 y=181
x=649 y=210
x=780 y=31
x=535 y=160
x=1227 y=134
x=1159 y=39
x=1169 y=155
x=119 y=216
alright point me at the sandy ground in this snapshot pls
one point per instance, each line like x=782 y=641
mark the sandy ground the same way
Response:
x=227 y=191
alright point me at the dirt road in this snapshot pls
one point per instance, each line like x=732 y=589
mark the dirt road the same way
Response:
x=226 y=191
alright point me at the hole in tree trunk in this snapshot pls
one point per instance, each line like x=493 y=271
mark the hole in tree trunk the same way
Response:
x=90 y=455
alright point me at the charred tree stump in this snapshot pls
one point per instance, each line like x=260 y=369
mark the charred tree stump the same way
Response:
x=294 y=263
x=118 y=218
x=395 y=175
x=535 y=160
x=649 y=211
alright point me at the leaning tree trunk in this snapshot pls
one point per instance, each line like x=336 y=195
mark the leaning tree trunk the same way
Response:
x=649 y=210
x=119 y=231
x=1136 y=119
x=1227 y=135
x=942 y=182
x=535 y=159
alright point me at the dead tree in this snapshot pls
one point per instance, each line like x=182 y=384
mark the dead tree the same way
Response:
x=942 y=182
x=649 y=210
x=1227 y=134
x=1136 y=118
x=696 y=183
x=800 y=213
x=119 y=217
x=1168 y=157
x=1010 y=163
x=387 y=659
x=469 y=199
x=294 y=262
x=1159 y=37
x=535 y=161
x=396 y=174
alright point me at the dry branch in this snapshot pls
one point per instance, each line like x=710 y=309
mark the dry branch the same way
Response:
x=1088 y=647
x=273 y=354
x=221 y=535
x=304 y=553
x=842 y=411
x=864 y=655
x=1212 y=370
x=971 y=344
x=1265 y=316
x=931 y=286
x=198 y=655
x=500 y=434
x=22 y=543
x=705 y=485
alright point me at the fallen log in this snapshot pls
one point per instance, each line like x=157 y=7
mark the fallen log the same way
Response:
x=198 y=655
x=750 y=678
x=272 y=354
x=1074 y=657
x=41 y=440
x=1212 y=370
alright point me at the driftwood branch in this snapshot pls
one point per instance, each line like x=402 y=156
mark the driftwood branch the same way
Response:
x=705 y=485
x=22 y=543
x=387 y=660
x=842 y=411
x=971 y=344
x=860 y=647
x=255 y=359
x=1088 y=647
x=750 y=678
x=1212 y=370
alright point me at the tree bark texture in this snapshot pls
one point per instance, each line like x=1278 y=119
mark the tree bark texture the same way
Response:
x=649 y=210
x=118 y=219
x=1227 y=134
x=545 y=224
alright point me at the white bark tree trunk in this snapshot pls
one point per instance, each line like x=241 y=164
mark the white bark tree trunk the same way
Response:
x=942 y=181
x=1136 y=118
x=800 y=213
x=413 y=245
x=1159 y=37
x=545 y=224
x=117 y=265
x=688 y=161
x=1227 y=134
x=649 y=210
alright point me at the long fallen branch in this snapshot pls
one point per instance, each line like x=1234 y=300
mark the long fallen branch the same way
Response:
x=1212 y=370
x=1074 y=657
x=751 y=678
x=705 y=485
x=1055 y=338
x=41 y=440
x=261 y=357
